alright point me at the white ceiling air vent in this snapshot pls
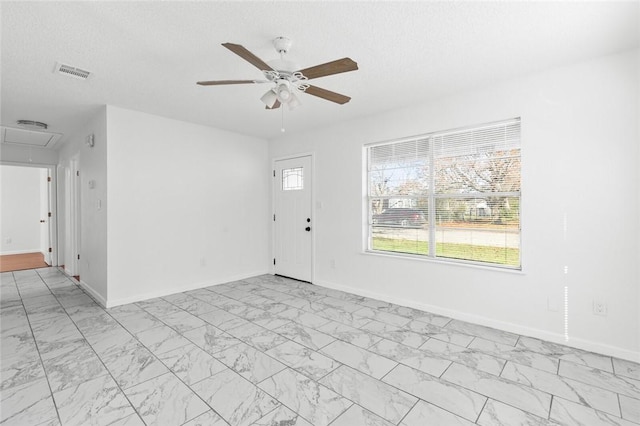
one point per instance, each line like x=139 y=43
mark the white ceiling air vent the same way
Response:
x=71 y=71
x=32 y=125
x=28 y=138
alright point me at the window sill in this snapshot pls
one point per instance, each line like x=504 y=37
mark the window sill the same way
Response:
x=441 y=261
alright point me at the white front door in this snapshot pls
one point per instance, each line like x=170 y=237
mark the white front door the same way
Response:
x=292 y=216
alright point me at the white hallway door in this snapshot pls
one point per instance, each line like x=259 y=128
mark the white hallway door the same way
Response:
x=292 y=217
x=46 y=227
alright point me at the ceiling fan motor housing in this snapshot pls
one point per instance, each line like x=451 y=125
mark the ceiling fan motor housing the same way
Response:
x=282 y=44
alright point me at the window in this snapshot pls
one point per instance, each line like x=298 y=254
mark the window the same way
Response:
x=449 y=195
x=292 y=179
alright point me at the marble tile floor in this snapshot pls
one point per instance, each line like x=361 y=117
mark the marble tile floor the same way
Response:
x=272 y=351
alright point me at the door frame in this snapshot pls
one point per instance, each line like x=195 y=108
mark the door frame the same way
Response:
x=272 y=268
x=53 y=203
x=72 y=219
x=46 y=208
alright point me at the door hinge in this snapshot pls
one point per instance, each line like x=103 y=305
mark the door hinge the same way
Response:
x=274 y=260
x=48 y=178
x=49 y=214
x=77 y=172
x=274 y=173
x=78 y=257
x=274 y=217
x=50 y=250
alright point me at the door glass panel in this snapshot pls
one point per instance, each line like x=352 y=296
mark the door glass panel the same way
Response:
x=292 y=179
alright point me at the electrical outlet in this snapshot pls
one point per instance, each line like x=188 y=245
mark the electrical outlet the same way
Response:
x=599 y=308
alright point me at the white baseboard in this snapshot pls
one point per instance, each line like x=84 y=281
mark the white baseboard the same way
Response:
x=97 y=296
x=86 y=287
x=20 y=252
x=578 y=343
x=110 y=303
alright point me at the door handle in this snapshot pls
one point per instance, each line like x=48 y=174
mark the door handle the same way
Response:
x=42 y=221
x=308 y=228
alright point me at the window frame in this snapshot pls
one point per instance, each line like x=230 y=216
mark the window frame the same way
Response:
x=285 y=178
x=432 y=195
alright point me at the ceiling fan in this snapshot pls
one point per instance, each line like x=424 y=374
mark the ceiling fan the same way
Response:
x=286 y=79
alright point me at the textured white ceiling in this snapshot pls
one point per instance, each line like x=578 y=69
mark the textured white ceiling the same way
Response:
x=147 y=56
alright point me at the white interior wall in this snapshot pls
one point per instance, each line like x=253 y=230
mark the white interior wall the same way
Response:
x=20 y=212
x=580 y=159
x=92 y=265
x=188 y=206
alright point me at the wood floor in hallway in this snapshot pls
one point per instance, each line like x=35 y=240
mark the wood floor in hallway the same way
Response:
x=19 y=262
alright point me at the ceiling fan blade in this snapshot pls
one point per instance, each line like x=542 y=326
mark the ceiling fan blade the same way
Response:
x=276 y=105
x=221 y=82
x=330 y=68
x=248 y=56
x=328 y=95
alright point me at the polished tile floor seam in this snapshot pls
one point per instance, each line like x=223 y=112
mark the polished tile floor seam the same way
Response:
x=268 y=350
x=486 y=396
x=41 y=360
x=399 y=389
x=108 y=372
x=137 y=384
x=45 y=372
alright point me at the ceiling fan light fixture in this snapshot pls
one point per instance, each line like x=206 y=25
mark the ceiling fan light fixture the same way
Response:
x=284 y=94
x=283 y=91
x=269 y=98
x=294 y=102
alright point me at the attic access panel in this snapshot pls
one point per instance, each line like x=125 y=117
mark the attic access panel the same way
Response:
x=29 y=138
